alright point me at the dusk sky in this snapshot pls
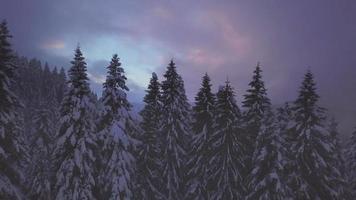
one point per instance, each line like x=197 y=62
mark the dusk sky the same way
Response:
x=222 y=38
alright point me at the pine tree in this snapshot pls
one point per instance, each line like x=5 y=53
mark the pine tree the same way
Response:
x=148 y=163
x=76 y=139
x=338 y=149
x=337 y=159
x=46 y=82
x=255 y=102
x=61 y=86
x=116 y=129
x=285 y=124
x=41 y=151
x=199 y=156
x=12 y=150
x=351 y=164
x=314 y=177
x=267 y=180
x=227 y=162
x=285 y=118
x=175 y=132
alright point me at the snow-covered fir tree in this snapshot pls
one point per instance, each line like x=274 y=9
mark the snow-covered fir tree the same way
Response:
x=12 y=150
x=284 y=116
x=61 y=86
x=116 y=129
x=334 y=133
x=199 y=155
x=148 y=163
x=267 y=180
x=255 y=104
x=46 y=82
x=175 y=131
x=351 y=164
x=41 y=155
x=337 y=158
x=76 y=138
x=227 y=162
x=315 y=176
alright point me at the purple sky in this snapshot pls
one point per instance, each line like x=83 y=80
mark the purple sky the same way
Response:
x=223 y=38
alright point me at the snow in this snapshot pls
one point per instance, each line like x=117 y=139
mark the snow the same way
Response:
x=119 y=134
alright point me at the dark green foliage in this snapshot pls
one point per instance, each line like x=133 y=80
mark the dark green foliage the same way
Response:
x=227 y=162
x=175 y=131
x=148 y=162
x=76 y=139
x=200 y=153
x=267 y=179
x=255 y=102
x=41 y=148
x=351 y=164
x=12 y=149
x=314 y=174
x=116 y=129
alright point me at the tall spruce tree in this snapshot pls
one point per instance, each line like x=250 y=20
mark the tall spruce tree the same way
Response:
x=337 y=159
x=199 y=155
x=267 y=180
x=338 y=148
x=314 y=177
x=41 y=151
x=351 y=164
x=284 y=117
x=61 y=86
x=227 y=162
x=148 y=163
x=175 y=132
x=255 y=104
x=285 y=123
x=116 y=129
x=76 y=139
x=12 y=149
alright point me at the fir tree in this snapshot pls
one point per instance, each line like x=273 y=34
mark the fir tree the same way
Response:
x=334 y=136
x=175 y=132
x=314 y=177
x=267 y=180
x=116 y=129
x=285 y=124
x=284 y=117
x=12 y=149
x=76 y=139
x=227 y=162
x=337 y=159
x=41 y=151
x=255 y=102
x=46 y=82
x=202 y=128
x=149 y=161
x=351 y=164
x=61 y=86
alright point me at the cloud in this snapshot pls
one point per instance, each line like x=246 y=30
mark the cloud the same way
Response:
x=230 y=35
x=162 y=12
x=99 y=79
x=221 y=38
x=53 y=45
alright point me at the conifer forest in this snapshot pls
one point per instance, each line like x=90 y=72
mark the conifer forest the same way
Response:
x=60 y=139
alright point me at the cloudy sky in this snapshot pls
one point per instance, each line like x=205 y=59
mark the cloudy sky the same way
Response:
x=224 y=38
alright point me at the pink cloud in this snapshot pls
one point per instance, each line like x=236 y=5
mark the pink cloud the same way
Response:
x=162 y=12
x=204 y=58
x=53 y=44
x=228 y=32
